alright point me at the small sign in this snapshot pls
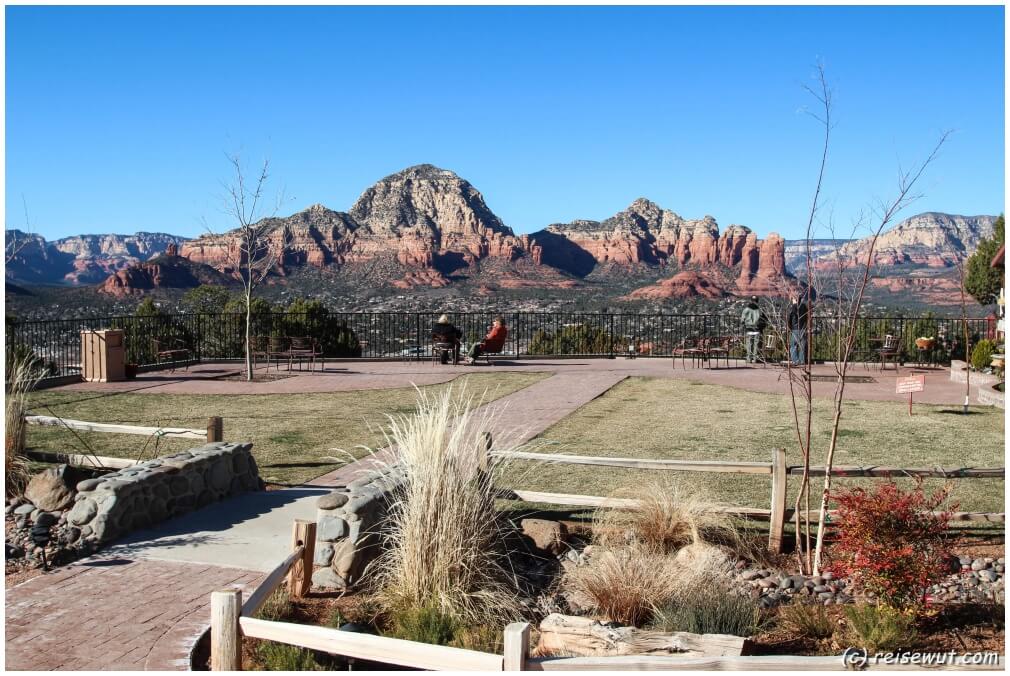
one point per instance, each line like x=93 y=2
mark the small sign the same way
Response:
x=910 y=384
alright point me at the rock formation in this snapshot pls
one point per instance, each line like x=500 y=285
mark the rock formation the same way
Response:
x=81 y=259
x=686 y=284
x=164 y=271
x=930 y=239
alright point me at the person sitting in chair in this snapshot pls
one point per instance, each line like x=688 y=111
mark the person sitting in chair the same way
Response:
x=494 y=341
x=445 y=333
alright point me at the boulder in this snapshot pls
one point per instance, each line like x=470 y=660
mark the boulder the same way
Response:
x=50 y=490
x=549 y=536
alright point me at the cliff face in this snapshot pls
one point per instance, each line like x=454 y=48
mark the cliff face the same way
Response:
x=930 y=239
x=81 y=259
x=165 y=271
x=646 y=234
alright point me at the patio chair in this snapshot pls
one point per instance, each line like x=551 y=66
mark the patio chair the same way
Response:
x=689 y=347
x=718 y=348
x=171 y=350
x=278 y=347
x=259 y=347
x=304 y=347
x=890 y=350
x=769 y=348
x=441 y=348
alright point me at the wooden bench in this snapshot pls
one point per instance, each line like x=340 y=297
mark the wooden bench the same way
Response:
x=171 y=350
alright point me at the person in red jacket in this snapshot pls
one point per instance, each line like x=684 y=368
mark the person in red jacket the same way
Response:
x=494 y=341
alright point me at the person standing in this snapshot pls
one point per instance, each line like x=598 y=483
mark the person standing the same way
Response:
x=798 y=322
x=753 y=321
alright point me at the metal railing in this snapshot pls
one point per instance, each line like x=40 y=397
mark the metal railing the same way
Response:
x=56 y=344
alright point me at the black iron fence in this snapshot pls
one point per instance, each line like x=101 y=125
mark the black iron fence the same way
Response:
x=56 y=344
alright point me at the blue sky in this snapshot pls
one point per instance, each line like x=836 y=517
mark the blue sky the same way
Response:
x=118 y=118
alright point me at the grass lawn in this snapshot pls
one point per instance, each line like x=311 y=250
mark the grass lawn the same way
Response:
x=677 y=419
x=290 y=432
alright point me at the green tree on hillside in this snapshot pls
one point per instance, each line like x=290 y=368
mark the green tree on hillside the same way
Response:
x=982 y=280
x=206 y=298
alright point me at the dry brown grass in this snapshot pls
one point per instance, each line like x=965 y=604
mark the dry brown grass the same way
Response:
x=444 y=538
x=625 y=583
x=22 y=376
x=670 y=516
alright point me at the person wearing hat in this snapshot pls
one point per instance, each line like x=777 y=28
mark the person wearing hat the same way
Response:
x=754 y=323
x=444 y=332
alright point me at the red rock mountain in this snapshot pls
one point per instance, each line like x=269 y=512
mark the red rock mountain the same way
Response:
x=430 y=224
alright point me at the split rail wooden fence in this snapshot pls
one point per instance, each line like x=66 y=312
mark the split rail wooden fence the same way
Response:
x=777 y=514
x=214 y=432
x=231 y=621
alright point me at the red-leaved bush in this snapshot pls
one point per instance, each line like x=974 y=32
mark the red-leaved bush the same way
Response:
x=890 y=542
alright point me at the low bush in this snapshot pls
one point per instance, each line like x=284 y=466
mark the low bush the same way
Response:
x=880 y=627
x=981 y=354
x=284 y=657
x=807 y=620
x=626 y=583
x=709 y=609
x=425 y=624
x=277 y=607
x=890 y=542
x=669 y=517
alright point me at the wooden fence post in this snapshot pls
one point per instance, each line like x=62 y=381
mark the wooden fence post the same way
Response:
x=225 y=636
x=300 y=576
x=778 y=506
x=215 y=429
x=517 y=646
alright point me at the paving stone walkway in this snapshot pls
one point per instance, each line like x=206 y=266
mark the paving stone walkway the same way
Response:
x=142 y=603
x=114 y=614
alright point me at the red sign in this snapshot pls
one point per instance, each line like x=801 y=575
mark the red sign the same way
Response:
x=910 y=384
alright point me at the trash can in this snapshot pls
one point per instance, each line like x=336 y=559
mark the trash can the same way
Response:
x=103 y=355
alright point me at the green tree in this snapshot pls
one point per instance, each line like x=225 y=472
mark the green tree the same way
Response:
x=982 y=280
x=207 y=298
x=147 y=308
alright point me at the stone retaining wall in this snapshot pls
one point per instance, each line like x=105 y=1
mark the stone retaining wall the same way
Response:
x=150 y=492
x=347 y=527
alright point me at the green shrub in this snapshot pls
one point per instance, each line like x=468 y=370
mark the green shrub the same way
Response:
x=880 y=628
x=981 y=355
x=277 y=607
x=709 y=609
x=807 y=620
x=284 y=657
x=336 y=619
x=424 y=625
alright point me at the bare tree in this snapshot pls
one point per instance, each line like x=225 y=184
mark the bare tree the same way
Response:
x=250 y=253
x=848 y=301
x=16 y=245
x=843 y=288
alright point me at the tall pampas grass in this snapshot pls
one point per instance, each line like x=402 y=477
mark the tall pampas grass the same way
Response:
x=22 y=377
x=444 y=538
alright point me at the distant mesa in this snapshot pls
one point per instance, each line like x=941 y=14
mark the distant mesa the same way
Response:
x=426 y=227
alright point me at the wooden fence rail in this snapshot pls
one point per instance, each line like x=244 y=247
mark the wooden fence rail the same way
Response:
x=778 y=514
x=214 y=432
x=231 y=621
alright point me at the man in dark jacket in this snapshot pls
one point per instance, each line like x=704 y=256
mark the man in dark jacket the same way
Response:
x=446 y=334
x=798 y=321
x=753 y=324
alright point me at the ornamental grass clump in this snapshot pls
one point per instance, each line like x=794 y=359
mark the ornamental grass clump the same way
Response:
x=23 y=375
x=670 y=516
x=891 y=542
x=444 y=538
x=626 y=583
